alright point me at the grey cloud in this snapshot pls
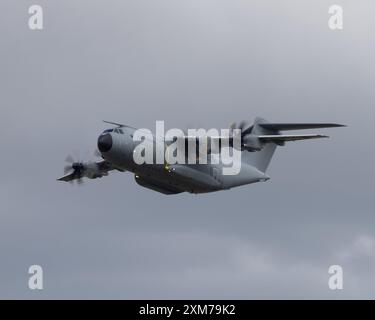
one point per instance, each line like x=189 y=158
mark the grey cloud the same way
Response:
x=204 y=63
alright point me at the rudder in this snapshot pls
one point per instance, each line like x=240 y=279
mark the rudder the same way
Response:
x=260 y=159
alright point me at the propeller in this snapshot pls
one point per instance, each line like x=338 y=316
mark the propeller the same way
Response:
x=97 y=153
x=75 y=167
x=249 y=142
x=69 y=159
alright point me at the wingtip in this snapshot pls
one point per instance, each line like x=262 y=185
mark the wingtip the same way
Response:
x=335 y=125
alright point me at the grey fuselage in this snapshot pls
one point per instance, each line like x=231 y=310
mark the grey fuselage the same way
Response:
x=172 y=179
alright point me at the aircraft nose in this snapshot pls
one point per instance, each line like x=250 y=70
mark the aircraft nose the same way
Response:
x=105 y=142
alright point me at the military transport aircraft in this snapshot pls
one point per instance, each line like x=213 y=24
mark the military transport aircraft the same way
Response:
x=257 y=146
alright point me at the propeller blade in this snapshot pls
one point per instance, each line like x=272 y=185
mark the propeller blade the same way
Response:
x=67 y=169
x=78 y=169
x=69 y=159
x=97 y=153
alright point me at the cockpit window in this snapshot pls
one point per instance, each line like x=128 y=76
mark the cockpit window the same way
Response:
x=107 y=130
x=116 y=130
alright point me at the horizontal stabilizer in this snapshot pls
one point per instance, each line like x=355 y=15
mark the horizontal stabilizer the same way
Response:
x=288 y=137
x=297 y=126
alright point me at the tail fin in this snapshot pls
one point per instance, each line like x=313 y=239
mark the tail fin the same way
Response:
x=261 y=159
x=269 y=135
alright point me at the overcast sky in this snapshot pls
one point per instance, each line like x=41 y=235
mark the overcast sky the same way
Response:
x=191 y=63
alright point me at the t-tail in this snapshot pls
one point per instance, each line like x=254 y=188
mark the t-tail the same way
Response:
x=264 y=137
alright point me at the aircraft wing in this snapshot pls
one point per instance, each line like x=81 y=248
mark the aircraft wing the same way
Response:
x=298 y=126
x=279 y=139
x=290 y=137
x=68 y=177
x=92 y=170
